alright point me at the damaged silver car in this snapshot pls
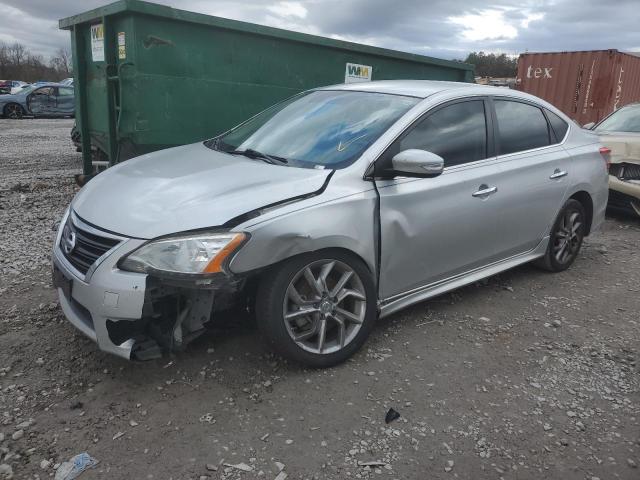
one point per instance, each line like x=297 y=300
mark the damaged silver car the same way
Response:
x=323 y=213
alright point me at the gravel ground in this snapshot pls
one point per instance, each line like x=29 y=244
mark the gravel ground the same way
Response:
x=525 y=375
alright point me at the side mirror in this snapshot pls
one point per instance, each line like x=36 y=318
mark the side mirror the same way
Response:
x=417 y=163
x=589 y=125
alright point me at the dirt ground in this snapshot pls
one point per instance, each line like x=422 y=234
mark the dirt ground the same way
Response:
x=527 y=375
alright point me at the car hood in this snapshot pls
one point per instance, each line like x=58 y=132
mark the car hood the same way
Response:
x=9 y=97
x=625 y=147
x=187 y=188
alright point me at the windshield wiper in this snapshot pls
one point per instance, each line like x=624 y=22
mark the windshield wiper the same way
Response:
x=254 y=154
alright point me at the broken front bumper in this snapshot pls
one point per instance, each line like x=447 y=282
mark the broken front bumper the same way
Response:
x=128 y=314
x=624 y=194
x=105 y=294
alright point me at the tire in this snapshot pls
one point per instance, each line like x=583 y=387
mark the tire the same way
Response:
x=346 y=314
x=565 y=239
x=13 y=111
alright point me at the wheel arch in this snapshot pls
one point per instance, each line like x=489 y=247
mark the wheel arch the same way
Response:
x=328 y=251
x=585 y=199
x=348 y=224
x=7 y=105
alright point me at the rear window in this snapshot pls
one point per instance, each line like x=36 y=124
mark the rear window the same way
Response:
x=520 y=127
x=558 y=125
x=626 y=119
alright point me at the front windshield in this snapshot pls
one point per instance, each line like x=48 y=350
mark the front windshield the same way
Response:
x=624 y=120
x=324 y=128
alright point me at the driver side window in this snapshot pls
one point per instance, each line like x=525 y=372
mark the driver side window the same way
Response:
x=457 y=132
x=45 y=91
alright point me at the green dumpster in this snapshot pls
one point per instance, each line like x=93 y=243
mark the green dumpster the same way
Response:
x=149 y=76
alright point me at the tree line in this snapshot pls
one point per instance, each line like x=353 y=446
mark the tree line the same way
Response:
x=18 y=63
x=492 y=65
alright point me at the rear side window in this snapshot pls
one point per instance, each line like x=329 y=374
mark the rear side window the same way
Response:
x=520 y=127
x=458 y=133
x=558 y=125
x=65 y=92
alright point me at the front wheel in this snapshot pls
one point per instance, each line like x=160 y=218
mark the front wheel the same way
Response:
x=317 y=309
x=13 y=111
x=566 y=238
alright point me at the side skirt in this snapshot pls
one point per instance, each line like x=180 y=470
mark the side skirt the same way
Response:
x=402 y=300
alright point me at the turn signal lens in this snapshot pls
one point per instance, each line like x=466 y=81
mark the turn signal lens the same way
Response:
x=606 y=155
x=215 y=265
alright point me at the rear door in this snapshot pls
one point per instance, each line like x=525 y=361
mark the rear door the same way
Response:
x=435 y=228
x=535 y=172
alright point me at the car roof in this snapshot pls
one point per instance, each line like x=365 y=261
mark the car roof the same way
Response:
x=424 y=88
x=53 y=84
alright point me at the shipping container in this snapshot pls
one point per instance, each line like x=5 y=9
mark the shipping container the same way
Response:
x=587 y=86
x=149 y=76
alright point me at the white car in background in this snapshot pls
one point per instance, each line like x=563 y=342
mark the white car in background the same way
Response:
x=620 y=132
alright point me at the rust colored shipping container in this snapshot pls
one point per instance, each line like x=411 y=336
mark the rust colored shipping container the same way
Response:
x=587 y=86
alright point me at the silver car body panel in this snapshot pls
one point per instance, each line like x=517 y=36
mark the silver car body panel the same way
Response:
x=187 y=188
x=418 y=237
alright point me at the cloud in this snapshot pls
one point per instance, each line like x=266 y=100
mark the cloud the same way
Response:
x=441 y=28
x=288 y=9
x=485 y=25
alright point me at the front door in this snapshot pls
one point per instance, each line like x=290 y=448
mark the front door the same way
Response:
x=42 y=101
x=435 y=228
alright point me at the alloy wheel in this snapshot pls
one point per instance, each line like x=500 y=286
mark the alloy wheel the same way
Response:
x=324 y=306
x=568 y=236
x=13 y=111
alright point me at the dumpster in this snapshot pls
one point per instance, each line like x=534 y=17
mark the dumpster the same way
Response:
x=149 y=77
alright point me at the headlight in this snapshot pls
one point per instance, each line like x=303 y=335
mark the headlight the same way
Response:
x=197 y=254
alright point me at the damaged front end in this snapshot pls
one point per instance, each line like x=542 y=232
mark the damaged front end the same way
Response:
x=186 y=273
x=624 y=178
x=140 y=299
x=173 y=315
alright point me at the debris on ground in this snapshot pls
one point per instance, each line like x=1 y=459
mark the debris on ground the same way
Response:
x=240 y=466
x=372 y=464
x=75 y=466
x=391 y=416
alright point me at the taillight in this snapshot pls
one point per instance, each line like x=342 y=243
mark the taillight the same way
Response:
x=606 y=155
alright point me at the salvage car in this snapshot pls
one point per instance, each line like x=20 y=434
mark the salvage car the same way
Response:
x=620 y=131
x=47 y=100
x=11 y=86
x=325 y=212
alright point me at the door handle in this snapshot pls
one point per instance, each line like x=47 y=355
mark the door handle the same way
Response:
x=557 y=173
x=484 y=191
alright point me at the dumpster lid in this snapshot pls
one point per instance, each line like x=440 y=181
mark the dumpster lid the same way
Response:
x=153 y=9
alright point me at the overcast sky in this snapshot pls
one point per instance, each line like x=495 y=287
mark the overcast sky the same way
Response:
x=441 y=28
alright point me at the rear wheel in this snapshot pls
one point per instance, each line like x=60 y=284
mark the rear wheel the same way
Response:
x=317 y=309
x=13 y=111
x=566 y=238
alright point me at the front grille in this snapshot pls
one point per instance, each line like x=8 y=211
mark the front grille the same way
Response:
x=625 y=171
x=82 y=248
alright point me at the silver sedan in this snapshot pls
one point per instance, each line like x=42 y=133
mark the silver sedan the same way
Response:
x=325 y=212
